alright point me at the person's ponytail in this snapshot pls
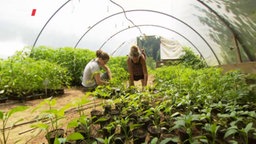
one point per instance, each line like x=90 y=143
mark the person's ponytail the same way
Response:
x=102 y=55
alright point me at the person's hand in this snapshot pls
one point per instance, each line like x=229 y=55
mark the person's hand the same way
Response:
x=105 y=67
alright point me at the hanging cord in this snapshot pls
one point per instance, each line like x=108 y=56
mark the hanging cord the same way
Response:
x=126 y=16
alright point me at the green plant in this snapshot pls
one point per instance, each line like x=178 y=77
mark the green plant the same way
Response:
x=22 y=76
x=72 y=59
x=190 y=59
x=52 y=114
x=82 y=125
x=244 y=132
x=4 y=117
x=213 y=129
x=80 y=102
x=123 y=123
x=186 y=123
x=106 y=140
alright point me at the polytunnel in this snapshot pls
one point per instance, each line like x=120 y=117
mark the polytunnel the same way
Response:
x=221 y=32
x=47 y=59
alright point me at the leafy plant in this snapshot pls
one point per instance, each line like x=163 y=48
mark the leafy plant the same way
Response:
x=52 y=114
x=4 y=118
x=106 y=140
x=213 y=129
x=244 y=132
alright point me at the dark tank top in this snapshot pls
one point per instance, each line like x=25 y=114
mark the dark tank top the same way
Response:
x=137 y=69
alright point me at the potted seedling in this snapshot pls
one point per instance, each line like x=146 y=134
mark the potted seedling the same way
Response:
x=53 y=115
x=155 y=114
x=81 y=125
x=4 y=119
x=243 y=132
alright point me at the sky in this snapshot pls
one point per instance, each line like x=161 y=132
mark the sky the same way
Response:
x=20 y=29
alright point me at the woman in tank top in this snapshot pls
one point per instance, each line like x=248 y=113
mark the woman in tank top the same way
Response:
x=137 y=67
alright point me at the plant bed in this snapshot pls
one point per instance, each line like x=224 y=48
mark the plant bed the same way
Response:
x=36 y=95
x=3 y=99
x=54 y=92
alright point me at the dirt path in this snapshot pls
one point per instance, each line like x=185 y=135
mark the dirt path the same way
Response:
x=25 y=134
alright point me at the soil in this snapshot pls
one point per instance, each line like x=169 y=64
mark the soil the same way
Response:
x=23 y=133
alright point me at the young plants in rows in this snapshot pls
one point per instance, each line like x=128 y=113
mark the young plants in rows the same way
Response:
x=244 y=135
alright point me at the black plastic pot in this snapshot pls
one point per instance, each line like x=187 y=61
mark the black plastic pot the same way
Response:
x=139 y=135
x=96 y=114
x=108 y=133
x=154 y=131
x=82 y=129
x=107 y=109
x=57 y=133
x=114 y=112
x=3 y=99
x=119 y=139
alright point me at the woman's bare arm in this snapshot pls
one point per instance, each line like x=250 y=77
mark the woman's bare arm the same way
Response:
x=145 y=71
x=131 y=80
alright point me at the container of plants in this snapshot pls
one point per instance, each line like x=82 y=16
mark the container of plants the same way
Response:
x=108 y=130
x=114 y=112
x=139 y=135
x=107 y=109
x=119 y=139
x=3 y=99
x=56 y=133
x=95 y=114
x=154 y=130
x=83 y=130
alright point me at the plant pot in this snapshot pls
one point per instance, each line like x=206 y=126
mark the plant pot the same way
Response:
x=3 y=99
x=145 y=121
x=114 y=112
x=83 y=130
x=119 y=139
x=87 y=141
x=154 y=131
x=168 y=135
x=57 y=133
x=145 y=105
x=139 y=135
x=119 y=106
x=95 y=115
x=107 y=109
x=104 y=121
x=108 y=133
x=183 y=136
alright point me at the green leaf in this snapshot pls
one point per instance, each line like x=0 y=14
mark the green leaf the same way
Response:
x=1 y=115
x=73 y=123
x=56 y=141
x=41 y=126
x=230 y=132
x=16 y=109
x=101 y=140
x=154 y=140
x=75 y=136
x=248 y=127
x=165 y=141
